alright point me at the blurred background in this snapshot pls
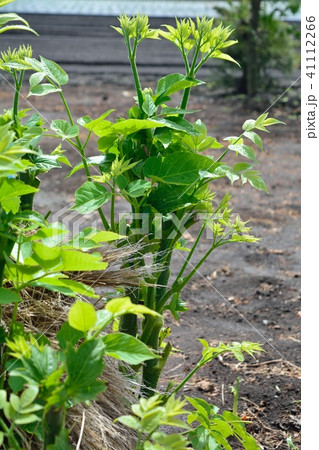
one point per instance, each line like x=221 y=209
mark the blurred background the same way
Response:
x=74 y=31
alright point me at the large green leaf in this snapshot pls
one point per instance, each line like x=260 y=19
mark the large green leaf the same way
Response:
x=84 y=366
x=41 y=363
x=90 y=196
x=127 y=348
x=178 y=168
x=64 y=285
x=166 y=199
x=64 y=259
x=129 y=126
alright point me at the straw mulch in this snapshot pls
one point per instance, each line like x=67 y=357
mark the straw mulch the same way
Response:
x=44 y=312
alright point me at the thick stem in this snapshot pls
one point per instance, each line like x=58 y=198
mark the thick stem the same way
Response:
x=132 y=58
x=177 y=287
x=15 y=109
x=53 y=424
x=128 y=323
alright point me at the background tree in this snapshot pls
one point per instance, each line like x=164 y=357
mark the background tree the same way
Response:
x=266 y=41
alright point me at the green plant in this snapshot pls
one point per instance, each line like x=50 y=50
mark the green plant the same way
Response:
x=153 y=160
x=213 y=430
x=266 y=43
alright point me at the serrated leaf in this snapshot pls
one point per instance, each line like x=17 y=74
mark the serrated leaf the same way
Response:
x=90 y=196
x=148 y=106
x=165 y=199
x=64 y=130
x=10 y=192
x=181 y=168
x=84 y=365
x=54 y=71
x=127 y=348
x=82 y=316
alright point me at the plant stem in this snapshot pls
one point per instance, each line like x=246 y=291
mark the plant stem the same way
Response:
x=113 y=207
x=177 y=287
x=81 y=148
x=10 y=435
x=191 y=252
x=132 y=58
x=200 y=364
x=15 y=110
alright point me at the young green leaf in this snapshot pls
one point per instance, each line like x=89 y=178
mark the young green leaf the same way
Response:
x=255 y=138
x=244 y=150
x=43 y=89
x=123 y=305
x=64 y=130
x=175 y=82
x=90 y=196
x=54 y=71
x=82 y=316
x=148 y=106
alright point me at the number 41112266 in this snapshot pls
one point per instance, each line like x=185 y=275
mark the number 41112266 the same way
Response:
x=310 y=45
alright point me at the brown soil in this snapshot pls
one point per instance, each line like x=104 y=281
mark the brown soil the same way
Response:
x=245 y=292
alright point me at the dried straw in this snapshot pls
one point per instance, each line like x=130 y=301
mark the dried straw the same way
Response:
x=44 y=312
